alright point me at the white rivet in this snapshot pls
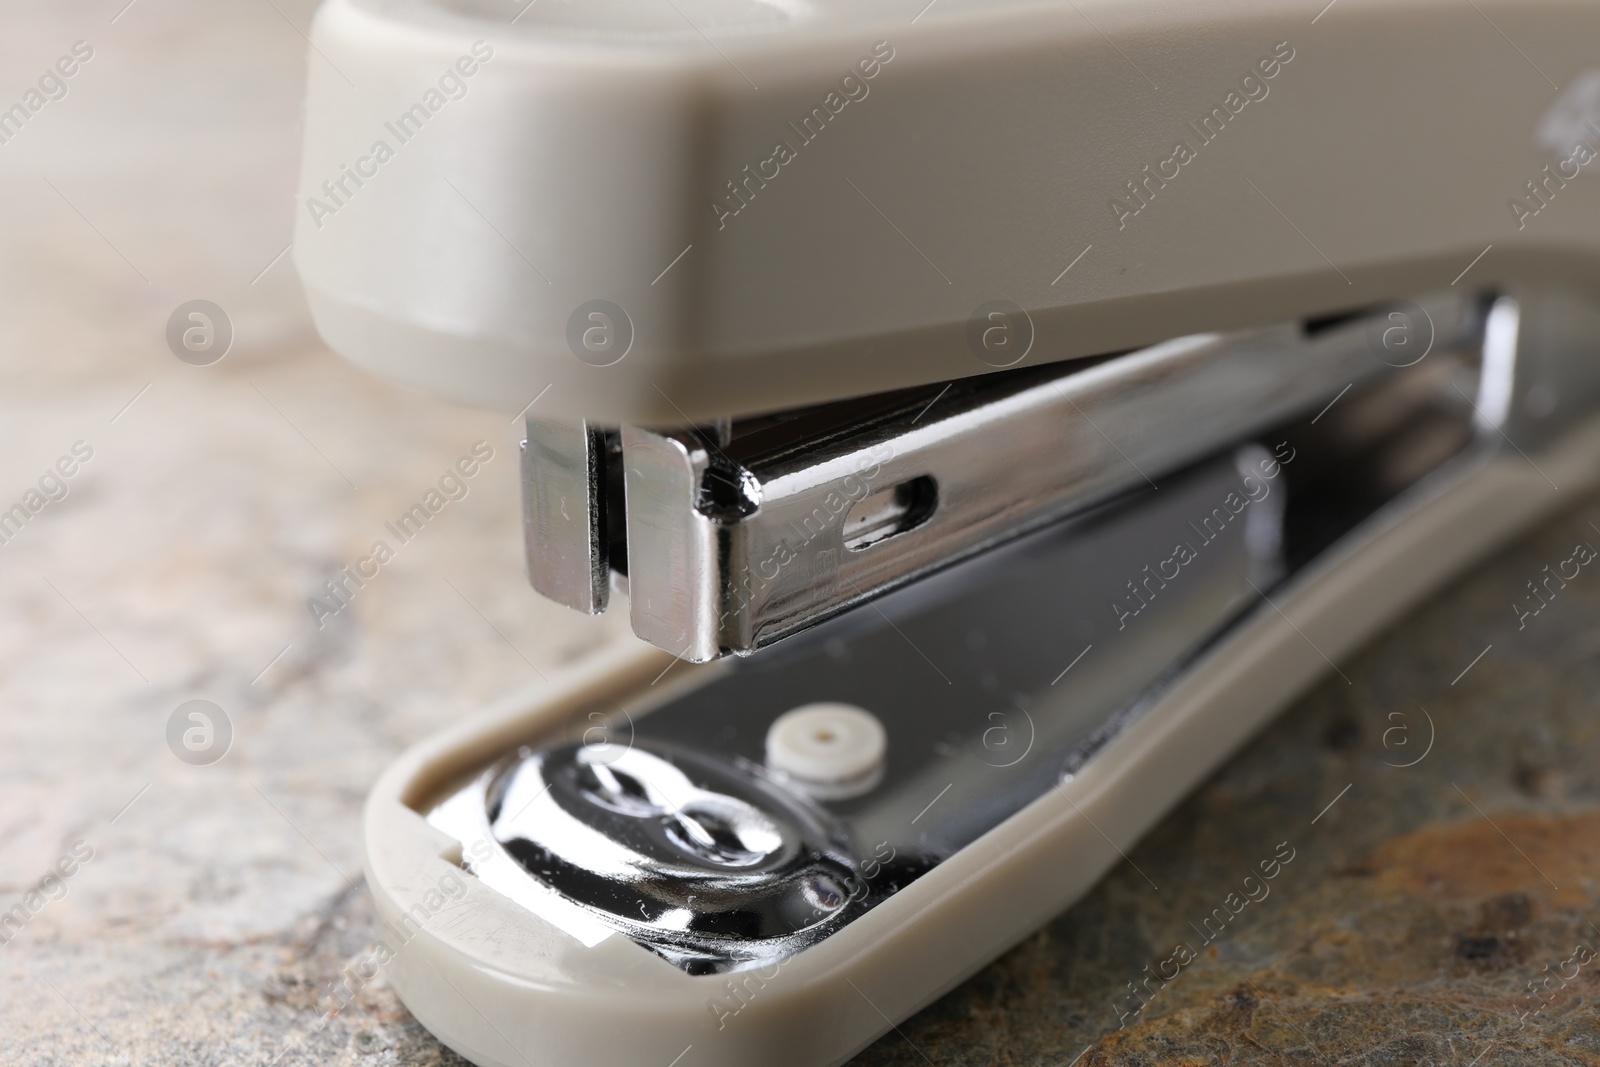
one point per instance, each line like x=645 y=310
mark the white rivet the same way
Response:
x=827 y=744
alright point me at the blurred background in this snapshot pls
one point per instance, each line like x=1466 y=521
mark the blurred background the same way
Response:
x=178 y=565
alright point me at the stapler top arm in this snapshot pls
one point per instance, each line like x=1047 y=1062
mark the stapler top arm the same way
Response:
x=790 y=202
x=806 y=299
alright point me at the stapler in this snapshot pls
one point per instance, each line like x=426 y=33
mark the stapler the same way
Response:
x=989 y=414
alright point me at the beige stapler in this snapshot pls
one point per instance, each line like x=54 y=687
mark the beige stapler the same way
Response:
x=987 y=413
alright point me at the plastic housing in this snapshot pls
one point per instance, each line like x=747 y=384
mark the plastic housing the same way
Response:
x=599 y=152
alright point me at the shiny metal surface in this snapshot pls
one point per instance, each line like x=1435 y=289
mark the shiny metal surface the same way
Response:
x=738 y=545
x=706 y=861
x=992 y=679
x=995 y=679
x=961 y=679
x=564 y=513
x=1541 y=365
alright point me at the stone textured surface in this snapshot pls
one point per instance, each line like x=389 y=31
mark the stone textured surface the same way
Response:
x=221 y=902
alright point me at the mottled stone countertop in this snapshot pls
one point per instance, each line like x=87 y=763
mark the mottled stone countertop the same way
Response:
x=208 y=908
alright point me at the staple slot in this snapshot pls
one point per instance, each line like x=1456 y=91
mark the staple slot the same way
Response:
x=889 y=512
